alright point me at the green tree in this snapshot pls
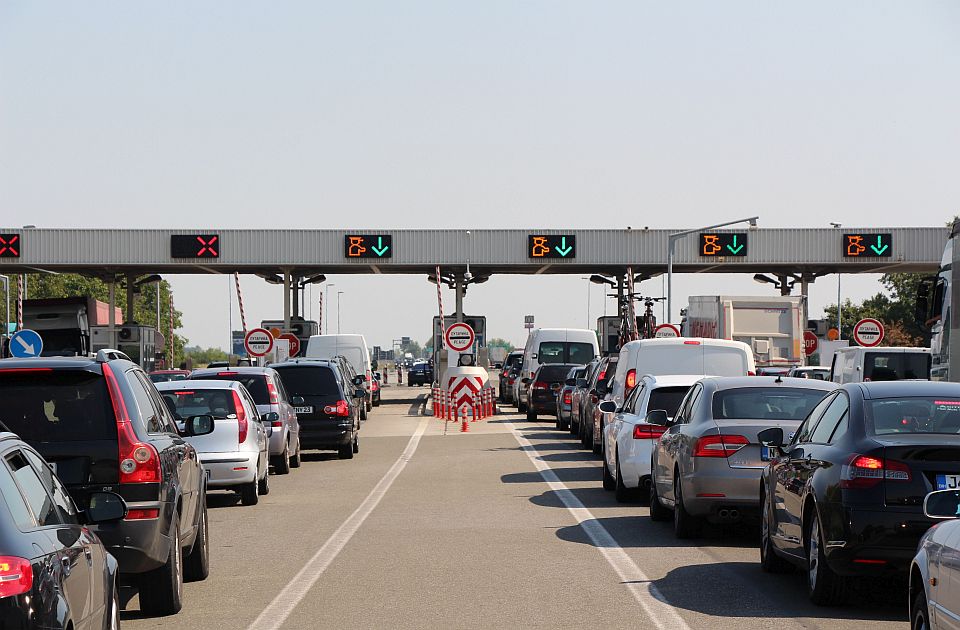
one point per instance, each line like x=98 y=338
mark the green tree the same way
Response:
x=203 y=356
x=497 y=342
x=895 y=309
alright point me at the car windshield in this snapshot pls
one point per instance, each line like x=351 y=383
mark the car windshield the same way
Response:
x=896 y=366
x=256 y=384
x=166 y=378
x=308 y=380
x=218 y=403
x=765 y=403
x=59 y=406
x=927 y=414
x=668 y=399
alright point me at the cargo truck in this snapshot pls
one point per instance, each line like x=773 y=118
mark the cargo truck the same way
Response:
x=771 y=326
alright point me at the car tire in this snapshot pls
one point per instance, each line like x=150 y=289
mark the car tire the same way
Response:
x=825 y=587
x=263 y=487
x=685 y=525
x=920 y=615
x=295 y=460
x=250 y=493
x=196 y=566
x=597 y=445
x=363 y=413
x=409 y=383
x=521 y=407
x=161 y=590
x=282 y=461
x=345 y=451
x=356 y=443
x=609 y=482
x=770 y=562
x=658 y=512
x=621 y=492
x=531 y=415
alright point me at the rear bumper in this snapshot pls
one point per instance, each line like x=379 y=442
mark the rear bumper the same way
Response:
x=326 y=436
x=221 y=468
x=707 y=492
x=139 y=545
x=543 y=404
x=889 y=538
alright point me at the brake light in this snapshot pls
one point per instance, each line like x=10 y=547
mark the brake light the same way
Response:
x=182 y=393
x=25 y=370
x=751 y=373
x=272 y=391
x=16 y=576
x=602 y=375
x=141 y=515
x=227 y=373
x=340 y=409
x=866 y=472
x=242 y=423
x=374 y=386
x=719 y=445
x=691 y=343
x=631 y=379
x=648 y=431
x=567 y=398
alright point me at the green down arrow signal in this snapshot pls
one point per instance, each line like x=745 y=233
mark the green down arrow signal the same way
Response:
x=877 y=249
x=564 y=249
x=735 y=249
x=380 y=249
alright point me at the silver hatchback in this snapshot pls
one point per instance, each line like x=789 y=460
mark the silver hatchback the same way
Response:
x=267 y=391
x=708 y=463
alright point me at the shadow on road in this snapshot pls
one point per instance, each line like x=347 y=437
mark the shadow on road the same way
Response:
x=639 y=532
x=564 y=474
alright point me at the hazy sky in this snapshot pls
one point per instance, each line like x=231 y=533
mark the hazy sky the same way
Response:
x=476 y=114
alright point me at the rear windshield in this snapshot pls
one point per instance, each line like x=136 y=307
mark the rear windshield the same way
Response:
x=515 y=360
x=308 y=381
x=913 y=415
x=60 y=406
x=256 y=384
x=420 y=367
x=218 y=403
x=166 y=378
x=896 y=366
x=565 y=352
x=554 y=373
x=765 y=403
x=691 y=359
x=667 y=398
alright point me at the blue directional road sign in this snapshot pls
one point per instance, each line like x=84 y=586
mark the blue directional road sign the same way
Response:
x=26 y=343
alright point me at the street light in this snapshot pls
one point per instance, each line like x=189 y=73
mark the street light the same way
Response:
x=326 y=302
x=671 y=244
x=339 y=293
x=839 y=333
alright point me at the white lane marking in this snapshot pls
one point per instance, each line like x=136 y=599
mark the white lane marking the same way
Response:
x=275 y=614
x=659 y=611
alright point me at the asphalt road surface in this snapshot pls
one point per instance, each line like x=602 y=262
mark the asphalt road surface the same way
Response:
x=505 y=526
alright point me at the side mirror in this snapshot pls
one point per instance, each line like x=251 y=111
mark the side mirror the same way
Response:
x=942 y=504
x=570 y=382
x=533 y=356
x=525 y=381
x=772 y=437
x=608 y=406
x=105 y=507
x=358 y=380
x=658 y=417
x=297 y=401
x=270 y=417
x=198 y=425
x=581 y=383
x=359 y=393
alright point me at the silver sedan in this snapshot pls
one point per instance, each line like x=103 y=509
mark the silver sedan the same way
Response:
x=707 y=465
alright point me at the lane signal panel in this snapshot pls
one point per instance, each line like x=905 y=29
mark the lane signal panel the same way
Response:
x=720 y=244
x=195 y=246
x=368 y=246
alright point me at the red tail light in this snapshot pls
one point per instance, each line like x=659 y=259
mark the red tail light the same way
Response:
x=227 y=373
x=631 y=379
x=142 y=515
x=594 y=399
x=691 y=343
x=242 y=423
x=539 y=385
x=139 y=462
x=375 y=386
x=602 y=375
x=567 y=398
x=183 y=393
x=648 y=431
x=751 y=373
x=866 y=472
x=719 y=445
x=25 y=370
x=272 y=390
x=340 y=409
x=16 y=576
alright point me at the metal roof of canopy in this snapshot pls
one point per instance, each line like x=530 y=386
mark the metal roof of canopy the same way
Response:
x=488 y=251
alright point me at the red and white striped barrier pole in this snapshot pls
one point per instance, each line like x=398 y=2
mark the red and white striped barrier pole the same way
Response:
x=19 y=302
x=243 y=316
x=320 y=328
x=171 y=342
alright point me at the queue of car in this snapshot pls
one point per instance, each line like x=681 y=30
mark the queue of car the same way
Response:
x=105 y=470
x=845 y=477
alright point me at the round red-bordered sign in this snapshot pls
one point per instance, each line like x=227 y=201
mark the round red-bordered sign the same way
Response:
x=258 y=342
x=666 y=331
x=459 y=337
x=868 y=333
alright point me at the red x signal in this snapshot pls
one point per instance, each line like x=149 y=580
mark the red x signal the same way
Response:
x=10 y=245
x=207 y=248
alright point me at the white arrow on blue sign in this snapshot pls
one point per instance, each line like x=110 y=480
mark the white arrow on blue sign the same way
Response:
x=26 y=343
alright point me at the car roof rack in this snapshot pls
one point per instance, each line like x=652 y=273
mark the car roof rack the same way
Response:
x=109 y=354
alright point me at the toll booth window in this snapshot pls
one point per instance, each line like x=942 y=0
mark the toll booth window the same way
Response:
x=896 y=366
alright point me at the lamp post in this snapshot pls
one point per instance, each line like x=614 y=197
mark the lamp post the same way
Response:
x=326 y=302
x=671 y=245
x=339 y=293
x=588 y=299
x=839 y=308
x=6 y=313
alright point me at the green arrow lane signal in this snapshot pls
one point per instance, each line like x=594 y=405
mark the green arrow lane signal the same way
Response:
x=879 y=248
x=380 y=249
x=735 y=249
x=563 y=249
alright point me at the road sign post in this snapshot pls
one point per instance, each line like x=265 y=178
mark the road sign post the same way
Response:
x=258 y=342
x=868 y=333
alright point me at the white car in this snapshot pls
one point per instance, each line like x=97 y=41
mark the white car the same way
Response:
x=935 y=571
x=628 y=440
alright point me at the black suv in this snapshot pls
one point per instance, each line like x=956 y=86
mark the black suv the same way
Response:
x=329 y=415
x=420 y=374
x=104 y=428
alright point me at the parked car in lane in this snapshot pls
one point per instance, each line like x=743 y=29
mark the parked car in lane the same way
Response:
x=628 y=440
x=271 y=397
x=565 y=396
x=162 y=376
x=935 y=570
x=103 y=426
x=543 y=388
x=707 y=464
x=843 y=498
x=601 y=389
x=236 y=455
x=330 y=409
x=420 y=374
x=513 y=360
x=54 y=570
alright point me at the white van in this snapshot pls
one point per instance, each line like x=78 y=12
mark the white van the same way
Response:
x=679 y=355
x=555 y=345
x=354 y=348
x=857 y=364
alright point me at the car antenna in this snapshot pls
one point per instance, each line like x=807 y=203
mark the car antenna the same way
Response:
x=779 y=378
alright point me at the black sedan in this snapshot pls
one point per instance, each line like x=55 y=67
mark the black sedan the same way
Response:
x=542 y=389
x=54 y=571
x=844 y=498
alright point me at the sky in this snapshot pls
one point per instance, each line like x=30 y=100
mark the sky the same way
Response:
x=502 y=113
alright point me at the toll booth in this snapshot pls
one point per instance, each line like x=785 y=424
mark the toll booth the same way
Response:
x=479 y=325
x=136 y=341
x=301 y=328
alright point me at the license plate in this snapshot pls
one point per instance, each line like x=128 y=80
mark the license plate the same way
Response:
x=303 y=409
x=948 y=482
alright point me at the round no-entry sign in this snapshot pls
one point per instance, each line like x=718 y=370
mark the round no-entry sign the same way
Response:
x=666 y=331
x=294 y=343
x=868 y=333
x=459 y=337
x=258 y=342
x=810 y=343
